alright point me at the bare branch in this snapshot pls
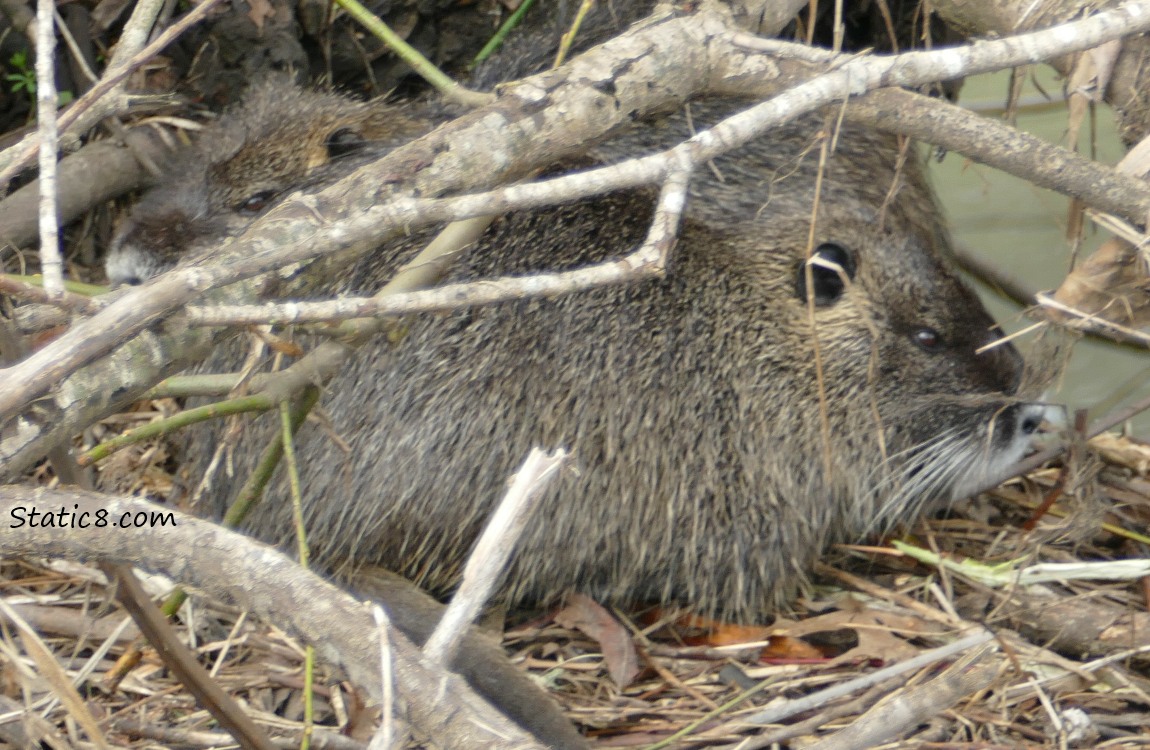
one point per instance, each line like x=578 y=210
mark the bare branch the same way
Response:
x=646 y=261
x=232 y=568
x=98 y=172
x=51 y=264
x=106 y=97
x=485 y=566
x=1128 y=81
x=996 y=144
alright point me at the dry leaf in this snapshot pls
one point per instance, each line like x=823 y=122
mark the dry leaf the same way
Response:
x=261 y=10
x=875 y=629
x=726 y=634
x=1136 y=162
x=588 y=616
x=1123 y=451
x=278 y=343
x=1112 y=284
x=1088 y=81
x=786 y=648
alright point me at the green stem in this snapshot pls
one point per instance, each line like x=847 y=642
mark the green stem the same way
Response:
x=420 y=64
x=287 y=435
x=253 y=489
x=188 y=386
x=161 y=427
x=76 y=287
x=569 y=38
x=504 y=29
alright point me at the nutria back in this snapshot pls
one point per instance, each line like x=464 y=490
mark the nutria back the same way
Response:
x=729 y=421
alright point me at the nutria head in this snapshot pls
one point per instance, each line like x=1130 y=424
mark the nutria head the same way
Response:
x=279 y=140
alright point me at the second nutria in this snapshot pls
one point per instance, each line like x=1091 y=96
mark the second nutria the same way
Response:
x=724 y=437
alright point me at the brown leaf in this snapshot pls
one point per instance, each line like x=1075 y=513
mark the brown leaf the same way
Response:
x=1087 y=82
x=1123 y=451
x=586 y=615
x=786 y=648
x=875 y=629
x=707 y=631
x=1112 y=284
x=726 y=634
x=278 y=343
x=261 y=10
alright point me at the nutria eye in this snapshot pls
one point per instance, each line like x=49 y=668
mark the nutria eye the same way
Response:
x=343 y=142
x=927 y=339
x=256 y=203
x=831 y=266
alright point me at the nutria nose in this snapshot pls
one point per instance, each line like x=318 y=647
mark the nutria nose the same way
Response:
x=1036 y=418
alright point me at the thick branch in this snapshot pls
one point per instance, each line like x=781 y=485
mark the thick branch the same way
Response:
x=96 y=173
x=1129 y=80
x=232 y=568
x=996 y=144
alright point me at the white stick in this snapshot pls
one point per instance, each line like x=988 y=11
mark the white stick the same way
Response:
x=492 y=552
x=51 y=264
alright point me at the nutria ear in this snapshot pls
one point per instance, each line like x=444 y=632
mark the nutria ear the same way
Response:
x=831 y=267
x=343 y=142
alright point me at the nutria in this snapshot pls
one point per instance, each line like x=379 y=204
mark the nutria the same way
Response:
x=713 y=464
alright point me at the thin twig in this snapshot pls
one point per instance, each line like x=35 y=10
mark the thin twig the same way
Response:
x=1090 y=321
x=73 y=48
x=383 y=739
x=442 y=82
x=485 y=566
x=789 y=708
x=136 y=31
x=78 y=116
x=439 y=299
x=504 y=29
x=647 y=260
x=51 y=263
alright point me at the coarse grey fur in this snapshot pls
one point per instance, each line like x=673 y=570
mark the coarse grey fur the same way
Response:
x=721 y=442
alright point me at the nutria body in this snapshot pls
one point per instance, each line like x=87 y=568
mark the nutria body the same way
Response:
x=721 y=442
